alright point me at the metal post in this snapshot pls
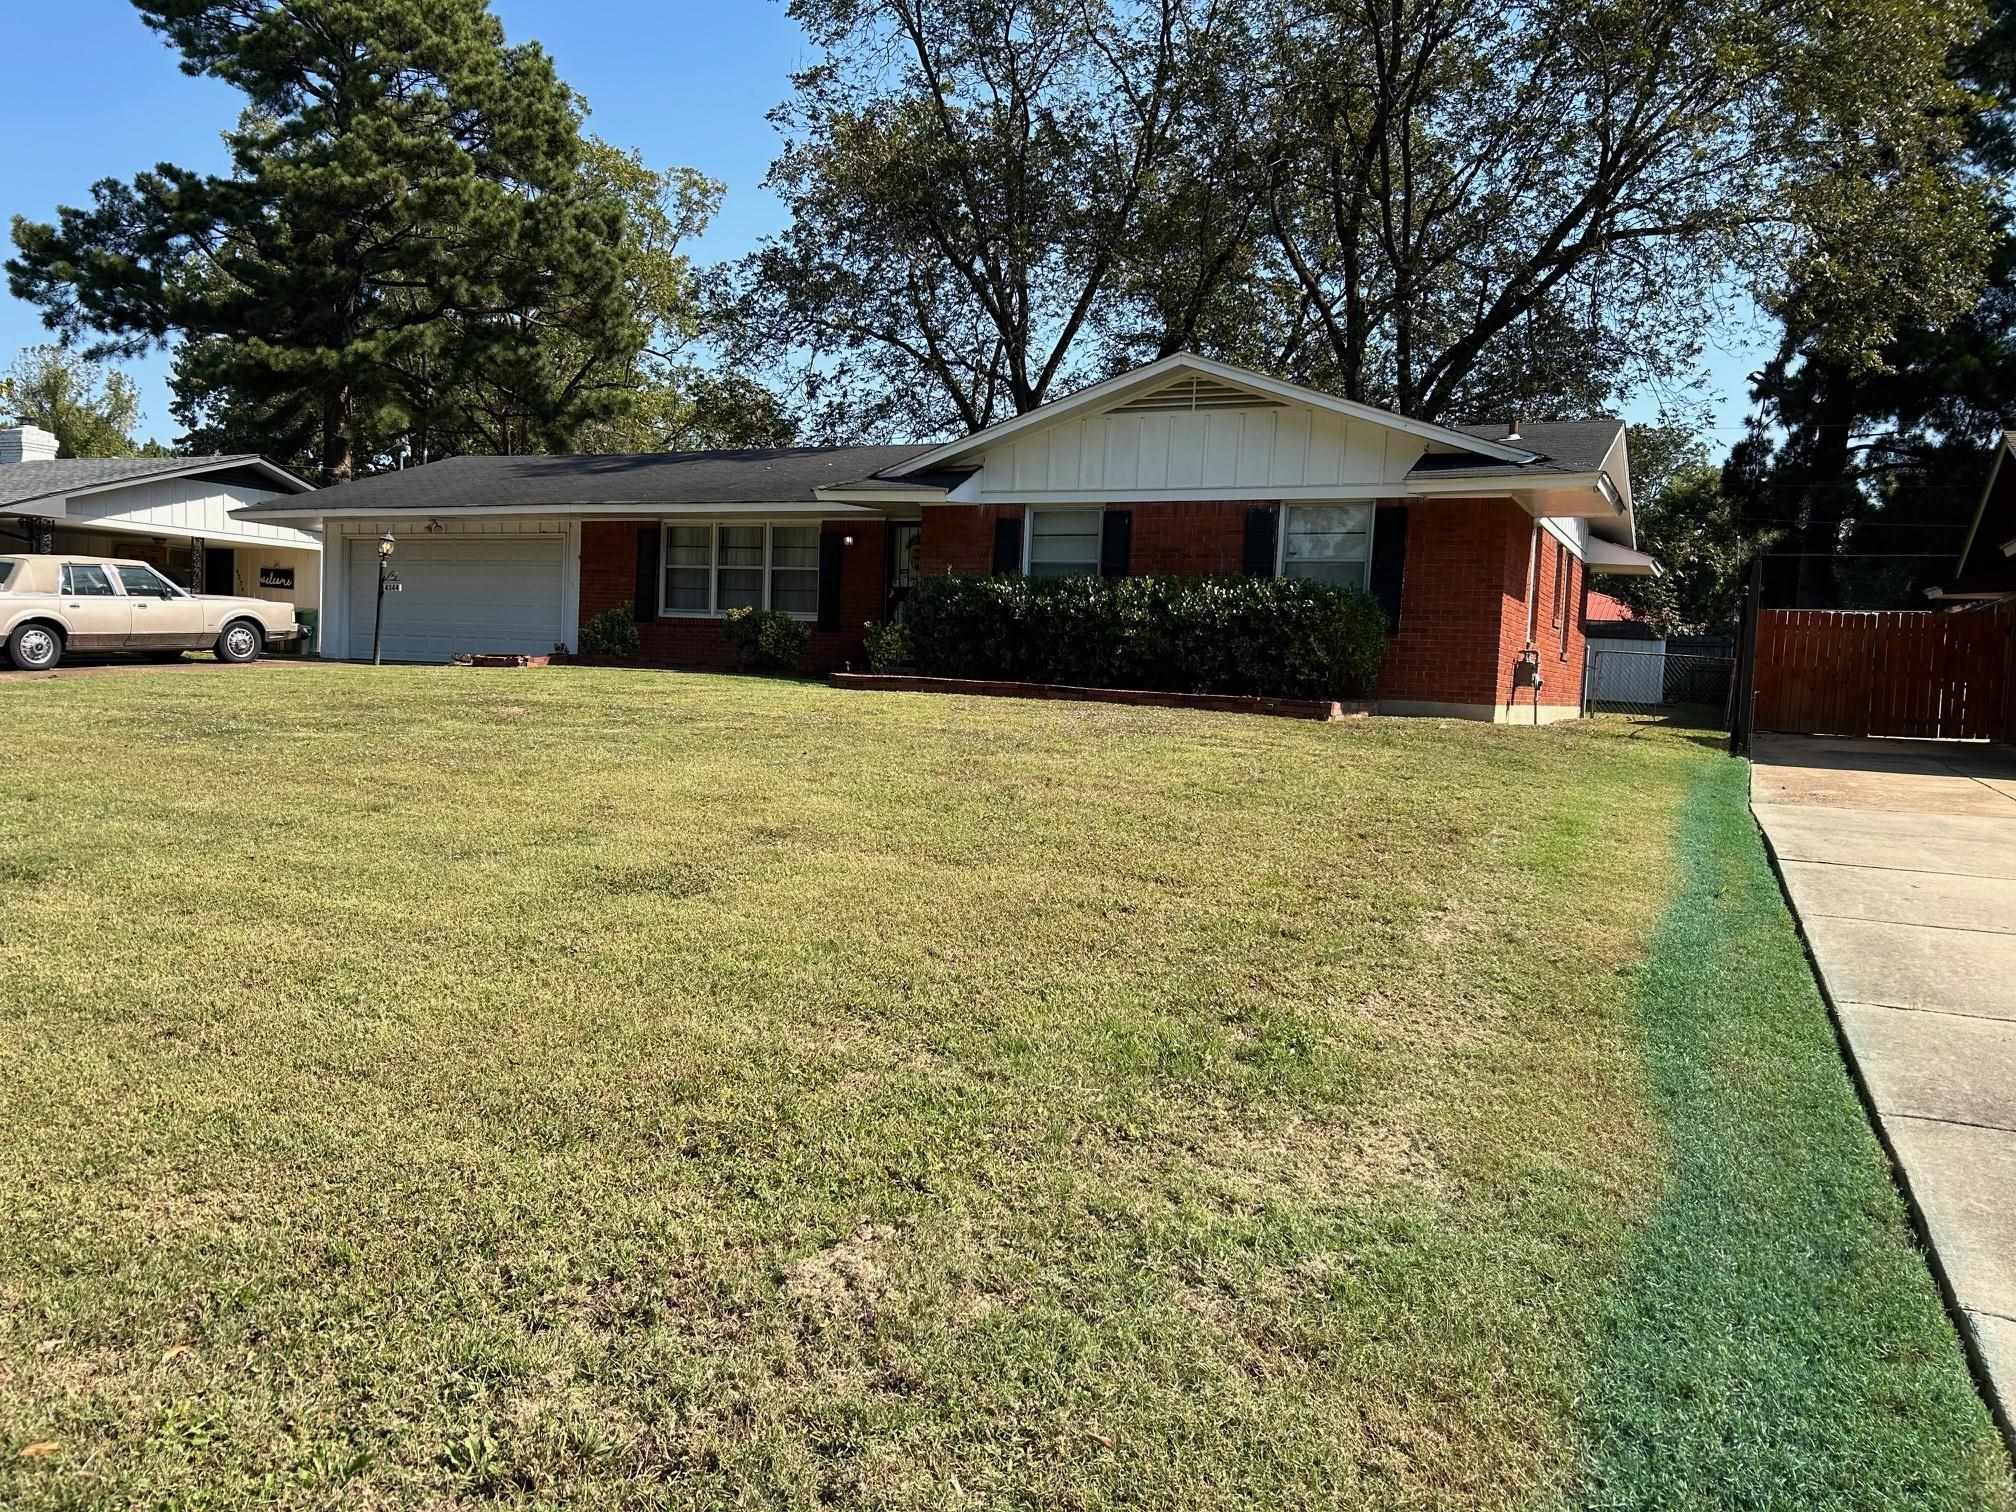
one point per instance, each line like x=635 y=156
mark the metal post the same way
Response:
x=378 y=624
x=1743 y=686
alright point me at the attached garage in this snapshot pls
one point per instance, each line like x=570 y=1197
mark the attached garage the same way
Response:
x=459 y=591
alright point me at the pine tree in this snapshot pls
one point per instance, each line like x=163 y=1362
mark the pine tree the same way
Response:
x=404 y=211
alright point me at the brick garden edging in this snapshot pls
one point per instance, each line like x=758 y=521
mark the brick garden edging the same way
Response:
x=1222 y=703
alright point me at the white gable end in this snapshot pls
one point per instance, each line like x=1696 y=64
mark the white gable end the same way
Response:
x=1223 y=444
x=195 y=506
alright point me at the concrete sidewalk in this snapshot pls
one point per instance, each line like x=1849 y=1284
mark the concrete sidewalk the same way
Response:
x=1900 y=857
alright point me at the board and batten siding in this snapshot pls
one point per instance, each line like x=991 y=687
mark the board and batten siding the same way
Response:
x=1282 y=450
x=186 y=507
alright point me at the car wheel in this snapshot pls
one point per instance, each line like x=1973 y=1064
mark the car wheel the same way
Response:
x=240 y=642
x=34 y=647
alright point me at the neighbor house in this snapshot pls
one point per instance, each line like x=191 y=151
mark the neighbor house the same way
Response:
x=175 y=512
x=1477 y=540
x=1986 y=570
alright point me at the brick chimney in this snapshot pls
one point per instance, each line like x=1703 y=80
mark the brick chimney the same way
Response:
x=26 y=443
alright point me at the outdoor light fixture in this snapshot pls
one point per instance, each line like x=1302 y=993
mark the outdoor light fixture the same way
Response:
x=846 y=540
x=385 y=545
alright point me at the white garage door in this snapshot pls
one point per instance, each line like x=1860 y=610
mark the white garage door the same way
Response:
x=461 y=593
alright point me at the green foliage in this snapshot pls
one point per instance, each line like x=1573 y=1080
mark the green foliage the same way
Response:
x=90 y=409
x=767 y=640
x=1692 y=528
x=613 y=632
x=888 y=647
x=1457 y=209
x=405 y=215
x=1285 y=637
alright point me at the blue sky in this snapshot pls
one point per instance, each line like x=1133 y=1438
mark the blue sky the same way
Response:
x=686 y=83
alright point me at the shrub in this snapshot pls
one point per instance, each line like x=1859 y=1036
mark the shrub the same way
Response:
x=767 y=640
x=1280 y=637
x=613 y=632
x=888 y=646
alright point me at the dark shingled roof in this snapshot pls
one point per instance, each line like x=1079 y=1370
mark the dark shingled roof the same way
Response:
x=21 y=482
x=1564 y=446
x=780 y=475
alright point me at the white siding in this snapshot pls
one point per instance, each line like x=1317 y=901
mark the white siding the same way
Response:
x=1273 y=451
x=187 y=507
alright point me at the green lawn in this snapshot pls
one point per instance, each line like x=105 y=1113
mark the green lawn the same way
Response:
x=595 y=1088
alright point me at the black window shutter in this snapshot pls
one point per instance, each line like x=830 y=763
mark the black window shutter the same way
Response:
x=650 y=542
x=1389 y=560
x=1007 y=545
x=1262 y=520
x=831 y=547
x=1116 y=542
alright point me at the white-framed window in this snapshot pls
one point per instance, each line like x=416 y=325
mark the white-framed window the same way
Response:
x=1062 y=542
x=712 y=568
x=1331 y=543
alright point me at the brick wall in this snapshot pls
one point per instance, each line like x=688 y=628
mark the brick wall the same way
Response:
x=1183 y=538
x=609 y=578
x=1462 y=602
x=959 y=538
x=1190 y=539
x=1463 y=615
x=1561 y=643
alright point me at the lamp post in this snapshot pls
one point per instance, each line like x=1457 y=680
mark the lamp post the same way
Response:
x=385 y=544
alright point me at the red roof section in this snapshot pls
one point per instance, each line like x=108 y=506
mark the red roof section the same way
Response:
x=1603 y=609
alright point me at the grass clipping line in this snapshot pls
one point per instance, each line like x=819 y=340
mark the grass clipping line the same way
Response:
x=1778 y=1341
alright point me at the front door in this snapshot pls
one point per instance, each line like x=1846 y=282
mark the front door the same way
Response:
x=100 y=620
x=906 y=548
x=220 y=569
x=164 y=616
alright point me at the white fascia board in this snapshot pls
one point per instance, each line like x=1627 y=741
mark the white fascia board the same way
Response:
x=1292 y=393
x=1513 y=487
x=814 y=510
x=882 y=495
x=1625 y=561
x=1272 y=494
x=113 y=525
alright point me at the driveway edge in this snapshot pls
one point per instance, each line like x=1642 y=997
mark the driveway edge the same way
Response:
x=1999 y=1392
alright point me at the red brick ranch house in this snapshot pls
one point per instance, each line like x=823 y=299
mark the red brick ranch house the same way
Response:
x=1478 y=540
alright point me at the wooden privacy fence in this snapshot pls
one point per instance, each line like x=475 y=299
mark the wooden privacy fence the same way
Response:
x=1908 y=672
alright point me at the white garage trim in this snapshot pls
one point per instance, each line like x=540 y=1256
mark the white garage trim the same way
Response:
x=337 y=629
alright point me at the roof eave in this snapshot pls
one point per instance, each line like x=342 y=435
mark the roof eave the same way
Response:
x=39 y=504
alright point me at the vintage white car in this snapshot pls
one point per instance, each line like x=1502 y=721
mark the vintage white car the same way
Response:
x=53 y=604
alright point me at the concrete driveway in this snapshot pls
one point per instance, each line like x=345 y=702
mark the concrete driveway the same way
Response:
x=1900 y=857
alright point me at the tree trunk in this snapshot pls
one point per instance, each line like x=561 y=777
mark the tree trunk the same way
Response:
x=337 y=461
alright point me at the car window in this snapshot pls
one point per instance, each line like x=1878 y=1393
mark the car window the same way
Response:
x=6 y=574
x=86 y=580
x=144 y=582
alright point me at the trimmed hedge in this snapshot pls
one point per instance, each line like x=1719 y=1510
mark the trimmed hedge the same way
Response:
x=1276 y=637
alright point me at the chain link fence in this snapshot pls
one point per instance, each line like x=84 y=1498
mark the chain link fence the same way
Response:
x=1654 y=681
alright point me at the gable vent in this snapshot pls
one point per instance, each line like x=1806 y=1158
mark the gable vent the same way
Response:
x=1196 y=394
